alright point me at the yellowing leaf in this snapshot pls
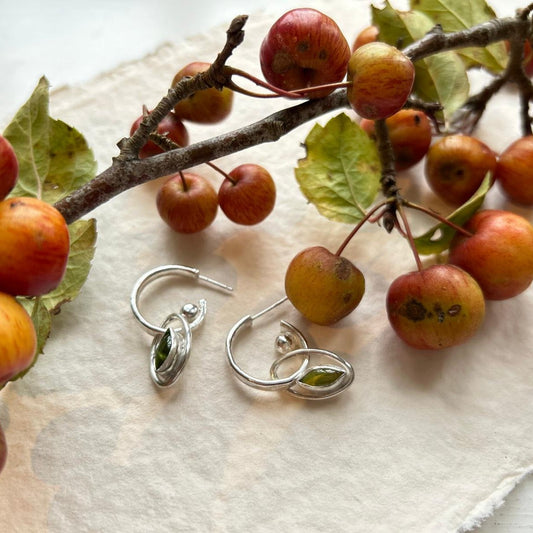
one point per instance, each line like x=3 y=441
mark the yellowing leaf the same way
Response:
x=54 y=158
x=29 y=134
x=341 y=171
x=441 y=78
x=438 y=238
x=72 y=162
x=456 y=15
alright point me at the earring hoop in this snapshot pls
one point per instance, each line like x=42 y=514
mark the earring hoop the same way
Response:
x=311 y=382
x=171 y=347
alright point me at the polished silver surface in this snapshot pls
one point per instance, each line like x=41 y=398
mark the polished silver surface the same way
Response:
x=290 y=344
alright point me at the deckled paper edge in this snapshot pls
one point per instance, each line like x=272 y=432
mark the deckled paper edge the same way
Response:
x=485 y=509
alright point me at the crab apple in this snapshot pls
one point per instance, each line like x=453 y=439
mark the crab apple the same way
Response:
x=456 y=166
x=382 y=78
x=437 y=307
x=171 y=127
x=367 y=35
x=499 y=254
x=247 y=196
x=34 y=246
x=304 y=48
x=18 y=340
x=410 y=135
x=323 y=286
x=9 y=167
x=207 y=106
x=514 y=171
x=187 y=202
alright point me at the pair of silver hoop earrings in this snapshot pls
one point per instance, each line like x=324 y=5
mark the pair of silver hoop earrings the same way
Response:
x=321 y=373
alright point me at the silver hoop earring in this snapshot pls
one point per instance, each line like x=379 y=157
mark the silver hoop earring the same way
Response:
x=172 y=342
x=311 y=382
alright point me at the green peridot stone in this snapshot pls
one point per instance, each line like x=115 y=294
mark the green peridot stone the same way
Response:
x=163 y=348
x=322 y=376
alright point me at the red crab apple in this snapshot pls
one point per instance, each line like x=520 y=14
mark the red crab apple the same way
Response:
x=514 y=171
x=171 y=127
x=324 y=287
x=9 y=167
x=456 y=165
x=247 y=196
x=208 y=106
x=304 y=48
x=34 y=246
x=410 y=135
x=382 y=78
x=499 y=255
x=438 y=307
x=18 y=340
x=187 y=202
x=365 y=36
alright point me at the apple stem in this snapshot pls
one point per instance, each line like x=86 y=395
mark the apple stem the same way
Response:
x=438 y=217
x=221 y=172
x=183 y=181
x=369 y=217
x=409 y=235
x=277 y=92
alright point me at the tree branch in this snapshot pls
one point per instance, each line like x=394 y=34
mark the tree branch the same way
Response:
x=128 y=170
x=125 y=173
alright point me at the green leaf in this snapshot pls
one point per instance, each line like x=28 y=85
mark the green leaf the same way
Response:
x=82 y=247
x=440 y=78
x=341 y=171
x=322 y=376
x=438 y=238
x=29 y=134
x=54 y=159
x=457 y=15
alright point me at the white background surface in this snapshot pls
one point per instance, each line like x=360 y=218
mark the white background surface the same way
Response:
x=71 y=42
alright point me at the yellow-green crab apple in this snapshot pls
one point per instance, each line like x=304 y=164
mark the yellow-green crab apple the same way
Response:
x=381 y=77
x=323 y=286
x=207 y=106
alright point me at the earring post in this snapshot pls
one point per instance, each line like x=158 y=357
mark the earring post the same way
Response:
x=269 y=308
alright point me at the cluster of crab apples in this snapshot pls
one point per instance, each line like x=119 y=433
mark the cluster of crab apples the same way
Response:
x=305 y=53
x=490 y=259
